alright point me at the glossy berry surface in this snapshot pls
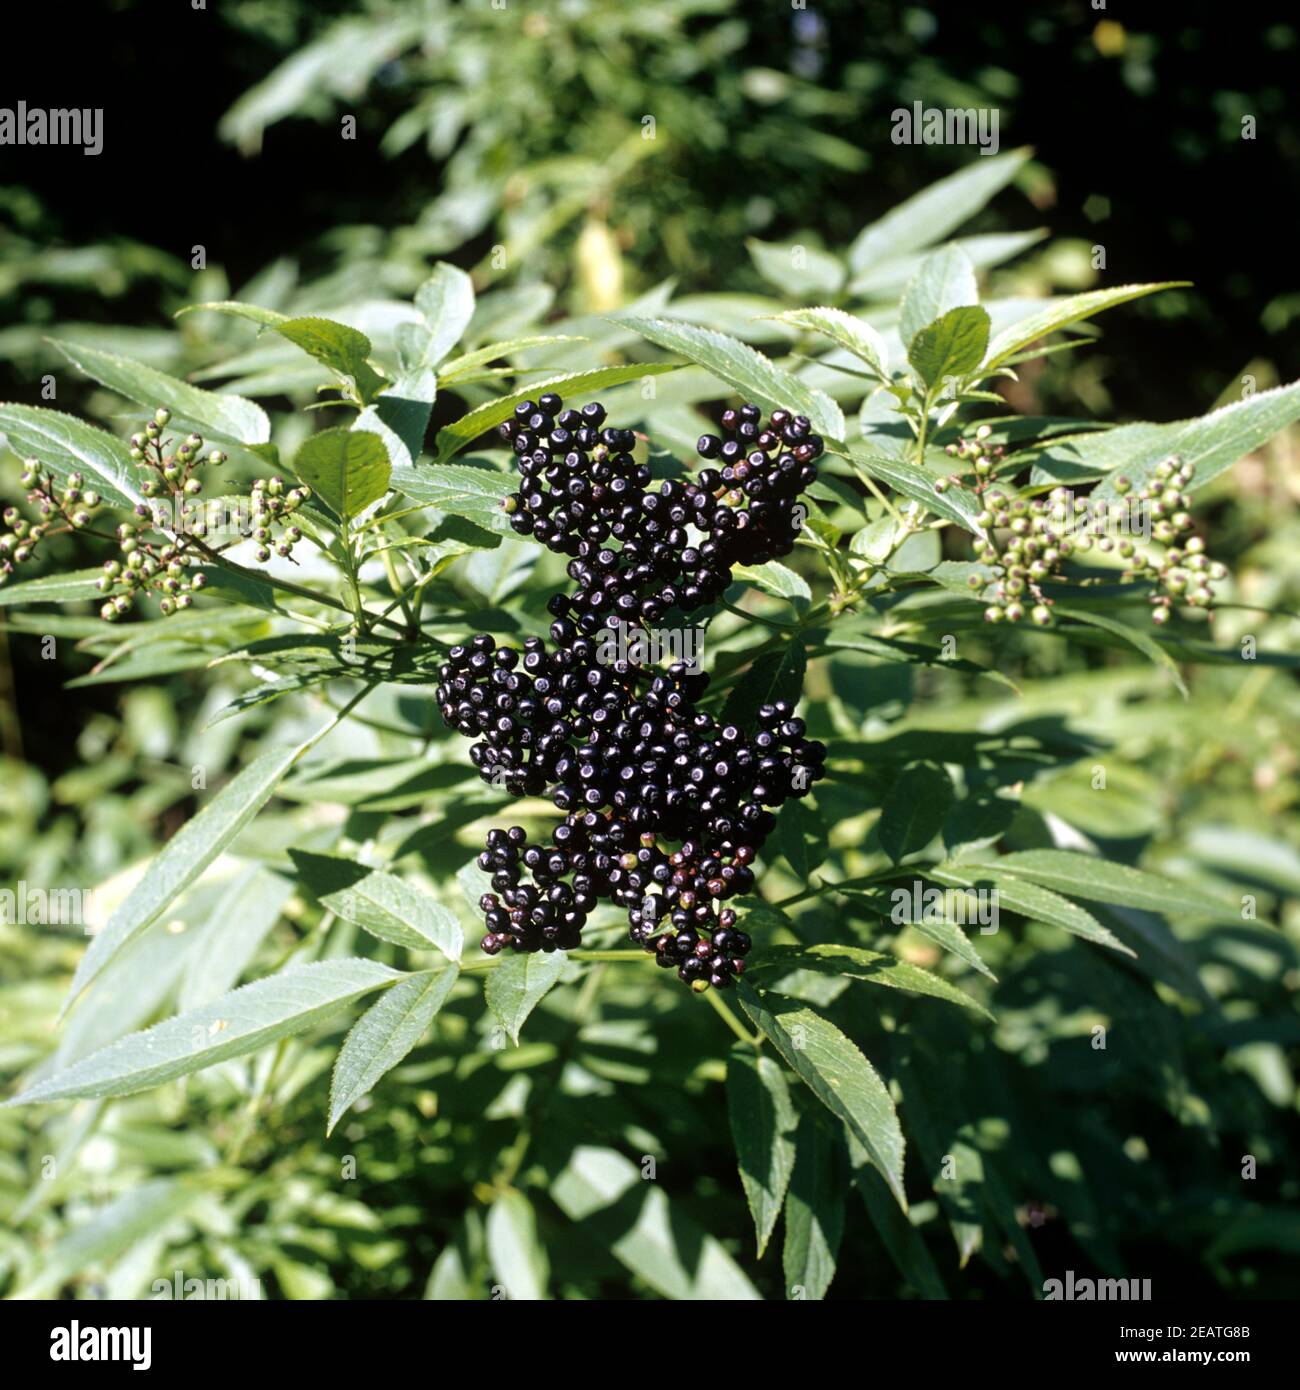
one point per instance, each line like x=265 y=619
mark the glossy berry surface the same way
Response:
x=665 y=808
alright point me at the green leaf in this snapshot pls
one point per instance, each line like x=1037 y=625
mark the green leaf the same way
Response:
x=349 y=469
x=1101 y=881
x=776 y=675
x=384 y=1035
x=797 y=271
x=381 y=903
x=853 y=334
x=677 y=1258
x=335 y=345
x=1030 y=899
x=774 y=578
x=955 y=504
x=460 y=367
x=1135 y=637
x=838 y=1075
x=915 y=809
x=928 y=216
x=342 y=349
x=763 y=1122
x=886 y=280
x=66 y=445
x=446 y=299
x=463 y=432
x=1063 y=312
x=239 y=922
x=267 y=318
x=219 y=416
x=744 y=368
x=517 y=1255
x=858 y=963
x=240 y=1022
x=518 y=984
x=53 y=588
x=950 y=348
x=946 y=934
x=944 y=281
x=399 y=415
x=802 y=836
x=460 y=490
x=906 y=1247
x=814 y=1214
x=184 y=857
x=1210 y=443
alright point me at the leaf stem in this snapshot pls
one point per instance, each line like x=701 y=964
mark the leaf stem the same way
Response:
x=725 y=1013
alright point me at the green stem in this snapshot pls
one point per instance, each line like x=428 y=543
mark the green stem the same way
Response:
x=755 y=618
x=730 y=1019
x=390 y=569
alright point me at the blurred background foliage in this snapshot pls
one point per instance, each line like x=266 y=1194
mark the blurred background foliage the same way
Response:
x=513 y=143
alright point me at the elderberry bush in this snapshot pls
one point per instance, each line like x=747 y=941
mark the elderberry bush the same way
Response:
x=384 y=697
x=625 y=749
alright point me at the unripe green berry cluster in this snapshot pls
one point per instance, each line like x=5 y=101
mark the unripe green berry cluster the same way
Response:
x=1184 y=572
x=977 y=457
x=144 y=567
x=273 y=507
x=1027 y=540
x=60 y=508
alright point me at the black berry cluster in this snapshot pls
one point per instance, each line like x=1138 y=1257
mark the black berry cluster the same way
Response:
x=624 y=749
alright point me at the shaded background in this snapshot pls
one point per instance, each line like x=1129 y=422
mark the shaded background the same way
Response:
x=1135 y=114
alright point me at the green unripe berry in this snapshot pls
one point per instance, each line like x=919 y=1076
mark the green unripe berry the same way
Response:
x=1042 y=615
x=166 y=606
x=162 y=415
x=108 y=612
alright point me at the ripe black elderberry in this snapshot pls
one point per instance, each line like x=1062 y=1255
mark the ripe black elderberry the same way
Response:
x=623 y=749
